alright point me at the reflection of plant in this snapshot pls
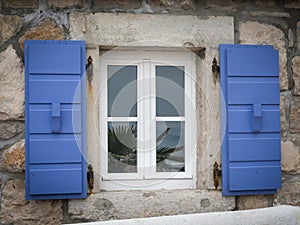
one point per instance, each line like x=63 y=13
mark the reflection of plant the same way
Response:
x=163 y=153
x=122 y=144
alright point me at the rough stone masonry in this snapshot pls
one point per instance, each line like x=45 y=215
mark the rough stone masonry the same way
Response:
x=254 y=22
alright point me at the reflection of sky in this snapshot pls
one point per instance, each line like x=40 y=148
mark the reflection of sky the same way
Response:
x=169 y=91
x=122 y=90
x=175 y=136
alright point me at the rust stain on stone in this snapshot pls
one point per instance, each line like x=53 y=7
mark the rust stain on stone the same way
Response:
x=90 y=91
x=90 y=96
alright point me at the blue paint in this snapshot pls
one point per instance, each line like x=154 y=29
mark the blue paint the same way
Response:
x=55 y=129
x=250 y=117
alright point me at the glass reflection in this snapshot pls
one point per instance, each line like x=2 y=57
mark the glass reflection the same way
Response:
x=122 y=91
x=122 y=144
x=169 y=91
x=170 y=147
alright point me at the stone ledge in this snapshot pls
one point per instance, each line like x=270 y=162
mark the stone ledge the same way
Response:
x=136 y=204
x=287 y=215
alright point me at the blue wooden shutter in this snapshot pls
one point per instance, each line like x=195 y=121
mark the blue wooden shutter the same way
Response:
x=55 y=119
x=251 y=119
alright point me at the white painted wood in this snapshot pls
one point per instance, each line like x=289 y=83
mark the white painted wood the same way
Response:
x=146 y=121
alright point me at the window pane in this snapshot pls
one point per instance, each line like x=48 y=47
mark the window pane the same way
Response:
x=170 y=147
x=122 y=144
x=122 y=91
x=169 y=91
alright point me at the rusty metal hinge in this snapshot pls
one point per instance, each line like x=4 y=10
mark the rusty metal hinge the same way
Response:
x=89 y=69
x=217 y=173
x=90 y=178
x=215 y=67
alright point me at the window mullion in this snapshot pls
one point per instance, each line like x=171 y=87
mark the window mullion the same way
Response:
x=140 y=119
x=147 y=117
x=152 y=121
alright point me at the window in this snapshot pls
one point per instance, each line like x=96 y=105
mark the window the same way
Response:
x=147 y=120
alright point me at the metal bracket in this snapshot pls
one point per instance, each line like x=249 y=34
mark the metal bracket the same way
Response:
x=89 y=69
x=215 y=67
x=90 y=178
x=217 y=173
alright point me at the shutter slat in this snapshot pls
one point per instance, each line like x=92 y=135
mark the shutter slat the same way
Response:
x=50 y=150
x=69 y=62
x=252 y=62
x=55 y=119
x=49 y=180
x=251 y=118
x=259 y=90
x=249 y=178
x=253 y=148
x=49 y=90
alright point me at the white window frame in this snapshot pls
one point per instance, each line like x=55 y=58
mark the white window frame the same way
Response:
x=146 y=177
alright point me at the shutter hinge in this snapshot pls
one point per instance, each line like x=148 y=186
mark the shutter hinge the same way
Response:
x=217 y=173
x=89 y=69
x=90 y=178
x=215 y=68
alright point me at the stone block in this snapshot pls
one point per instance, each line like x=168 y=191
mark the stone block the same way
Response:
x=290 y=157
x=295 y=138
x=16 y=210
x=233 y=6
x=10 y=25
x=296 y=74
x=264 y=3
x=283 y=122
x=209 y=138
x=65 y=3
x=20 y=4
x=9 y=129
x=13 y=159
x=183 y=4
x=12 y=85
x=137 y=204
x=294 y=117
x=268 y=14
x=159 y=30
x=258 y=33
x=227 y=5
x=289 y=194
x=116 y=4
x=46 y=30
x=253 y=202
x=298 y=34
x=291 y=38
x=292 y=4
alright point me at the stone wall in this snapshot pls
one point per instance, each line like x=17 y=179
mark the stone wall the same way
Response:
x=255 y=22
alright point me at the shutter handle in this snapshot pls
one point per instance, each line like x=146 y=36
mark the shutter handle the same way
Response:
x=257 y=117
x=55 y=121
